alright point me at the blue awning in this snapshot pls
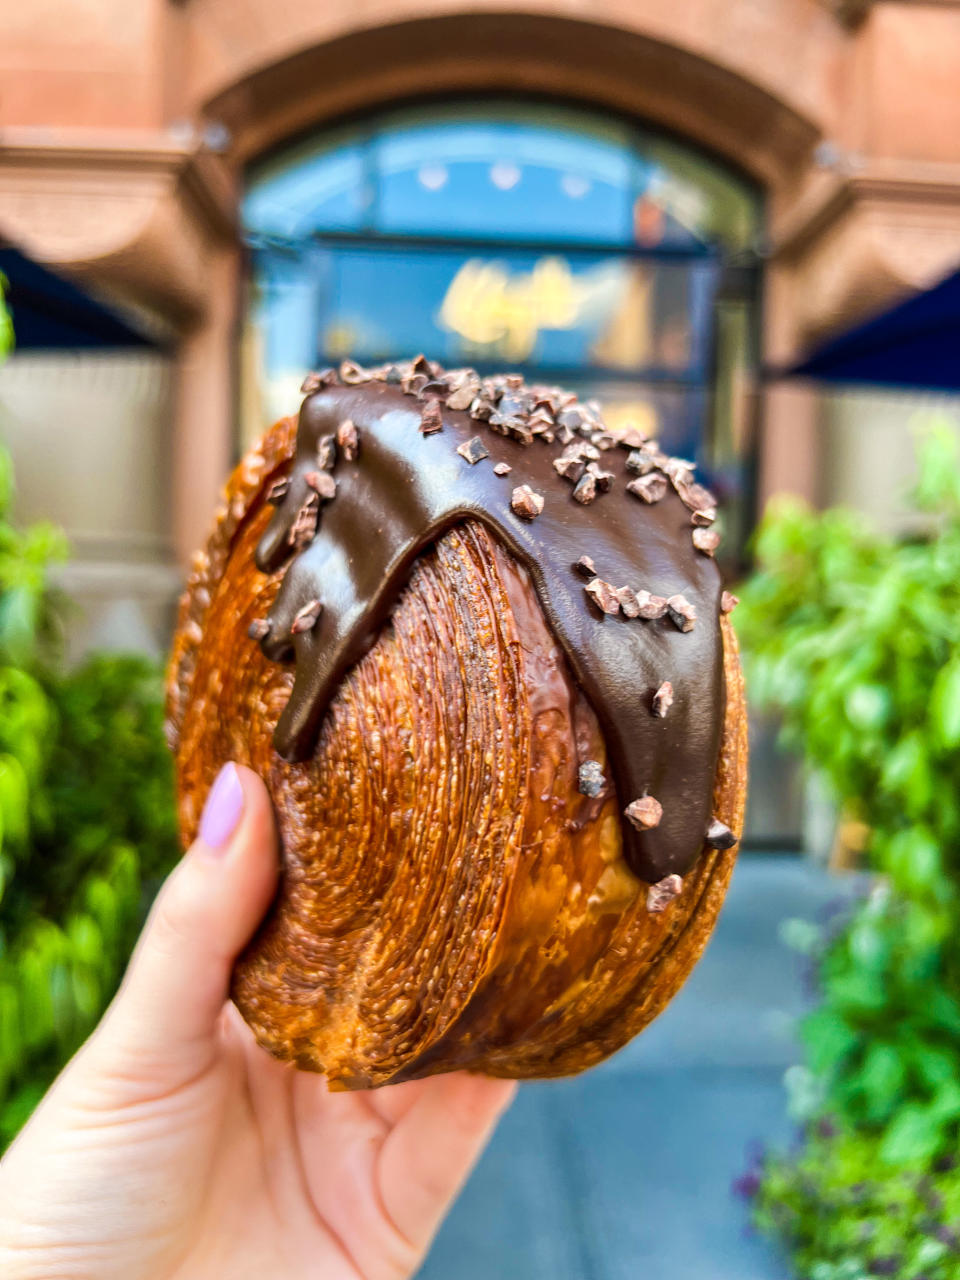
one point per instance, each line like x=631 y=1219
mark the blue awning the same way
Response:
x=51 y=313
x=914 y=344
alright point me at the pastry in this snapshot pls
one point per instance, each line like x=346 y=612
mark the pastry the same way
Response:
x=478 y=648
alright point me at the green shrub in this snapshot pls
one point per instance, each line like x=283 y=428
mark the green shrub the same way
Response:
x=102 y=831
x=855 y=637
x=845 y=1220
x=86 y=816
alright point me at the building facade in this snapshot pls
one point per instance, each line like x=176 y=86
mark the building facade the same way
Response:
x=136 y=134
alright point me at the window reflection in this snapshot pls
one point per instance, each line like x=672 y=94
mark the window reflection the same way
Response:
x=553 y=312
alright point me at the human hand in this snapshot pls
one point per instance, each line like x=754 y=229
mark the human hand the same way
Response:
x=173 y=1148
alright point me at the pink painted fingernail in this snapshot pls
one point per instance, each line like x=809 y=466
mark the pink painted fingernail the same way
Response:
x=223 y=808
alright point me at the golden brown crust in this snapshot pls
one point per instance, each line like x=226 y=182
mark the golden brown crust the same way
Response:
x=436 y=911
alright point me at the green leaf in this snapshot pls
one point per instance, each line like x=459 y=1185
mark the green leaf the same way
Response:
x=6 y=326
x=914 y=860
x=943 y=1009
x=907 y=772
x=881 y=1077
x=85 y=940
x=857 y=992
x=869 y=943
x=6 y=470
x=9 y=1031
x=913 y=1136
x=868 y=706
x=945 y=705
x=829 y=1039
x=14 y=800
x=19 y=616
x=938 y=485
x=36 y=1004
x=17 y=1109
x=946 y=1102
x=935 y=1067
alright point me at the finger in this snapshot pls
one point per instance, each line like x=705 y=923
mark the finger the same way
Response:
x=168 y=1006
x=426 y=1159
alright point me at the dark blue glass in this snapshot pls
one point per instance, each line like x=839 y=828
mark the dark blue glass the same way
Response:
x=548 y=311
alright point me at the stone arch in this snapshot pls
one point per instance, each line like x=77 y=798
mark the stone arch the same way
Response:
x=753 y=118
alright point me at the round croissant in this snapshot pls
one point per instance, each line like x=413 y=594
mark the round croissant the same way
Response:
x=456 y=892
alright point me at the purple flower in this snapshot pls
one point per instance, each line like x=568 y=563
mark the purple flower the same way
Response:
x=888 y=1266
x=948 y=1236
x=747 y=1185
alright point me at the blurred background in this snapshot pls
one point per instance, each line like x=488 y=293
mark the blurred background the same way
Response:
x=738 y=227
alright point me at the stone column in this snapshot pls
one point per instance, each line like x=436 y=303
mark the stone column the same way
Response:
x=204 y=435
x=127 y=451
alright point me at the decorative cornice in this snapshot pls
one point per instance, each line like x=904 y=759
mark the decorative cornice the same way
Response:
x=856 y=240
x=136 y=148
x=873 y=182
x=204 y=176
x=140 y=214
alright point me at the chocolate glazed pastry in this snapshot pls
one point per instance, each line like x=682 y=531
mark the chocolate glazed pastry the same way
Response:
x=478 y=649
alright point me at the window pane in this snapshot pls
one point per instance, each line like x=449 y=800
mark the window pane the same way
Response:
x=703 y=196
x=321 y=185
x=505 y=171
x=503 y=178
x=548 y=311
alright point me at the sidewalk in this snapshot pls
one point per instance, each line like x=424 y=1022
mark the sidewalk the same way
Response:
x=625 y=1173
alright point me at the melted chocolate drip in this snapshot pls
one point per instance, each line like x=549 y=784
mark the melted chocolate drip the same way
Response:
x=403 y=489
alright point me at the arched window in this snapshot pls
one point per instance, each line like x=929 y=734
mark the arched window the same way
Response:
x=571 y=246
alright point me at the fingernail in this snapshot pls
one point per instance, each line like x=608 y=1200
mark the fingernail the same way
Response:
x=223 y=808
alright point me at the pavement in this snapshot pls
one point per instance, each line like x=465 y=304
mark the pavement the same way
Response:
x=625 y=1173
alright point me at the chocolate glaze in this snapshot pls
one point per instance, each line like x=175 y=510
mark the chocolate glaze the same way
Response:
x=405 y=489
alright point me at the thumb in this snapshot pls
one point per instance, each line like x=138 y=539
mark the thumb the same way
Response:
x=164 y=1018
